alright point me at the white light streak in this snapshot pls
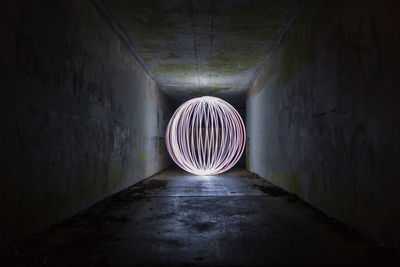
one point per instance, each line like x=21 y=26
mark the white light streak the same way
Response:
x=205 y=136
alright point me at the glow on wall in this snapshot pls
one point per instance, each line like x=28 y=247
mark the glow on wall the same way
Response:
x=205 y=136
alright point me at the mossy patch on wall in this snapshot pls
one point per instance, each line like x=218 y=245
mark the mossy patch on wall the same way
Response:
x=297 y=54
x=288 y=181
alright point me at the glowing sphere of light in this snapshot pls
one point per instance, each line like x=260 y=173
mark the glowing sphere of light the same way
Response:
x=205 y=136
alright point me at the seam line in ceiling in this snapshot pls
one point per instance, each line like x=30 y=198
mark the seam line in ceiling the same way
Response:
x=211 y=38
x=195 y=43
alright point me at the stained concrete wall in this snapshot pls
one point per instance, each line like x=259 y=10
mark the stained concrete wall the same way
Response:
x=80 y=119
x=323 y=117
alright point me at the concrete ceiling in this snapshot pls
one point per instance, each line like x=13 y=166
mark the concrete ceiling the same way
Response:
x=198 y=47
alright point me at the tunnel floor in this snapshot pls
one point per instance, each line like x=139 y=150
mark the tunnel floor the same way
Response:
x=174 y=218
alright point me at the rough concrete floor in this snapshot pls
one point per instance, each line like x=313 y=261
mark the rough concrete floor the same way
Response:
x=174 y=218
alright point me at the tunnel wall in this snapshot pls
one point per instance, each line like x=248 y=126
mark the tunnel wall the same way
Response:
x=323 y=117
x=80 y=118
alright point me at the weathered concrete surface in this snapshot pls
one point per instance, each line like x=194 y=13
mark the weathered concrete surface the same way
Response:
x=202 y=47
x=323 y=118
x=178 y=219
x=80 y=120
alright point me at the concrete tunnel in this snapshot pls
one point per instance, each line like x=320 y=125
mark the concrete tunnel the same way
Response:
x=90 y=86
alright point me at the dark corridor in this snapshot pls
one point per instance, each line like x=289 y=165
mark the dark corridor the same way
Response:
x=89 y=87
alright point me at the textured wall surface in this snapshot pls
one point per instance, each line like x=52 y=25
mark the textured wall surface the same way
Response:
x=80 y=119
x=323 y=118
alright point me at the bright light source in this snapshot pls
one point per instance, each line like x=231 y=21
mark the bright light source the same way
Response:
x=205 y=136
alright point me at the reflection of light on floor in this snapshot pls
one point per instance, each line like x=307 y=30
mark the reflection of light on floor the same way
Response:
x=207 y=177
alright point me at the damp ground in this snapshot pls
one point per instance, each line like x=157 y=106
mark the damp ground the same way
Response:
x=175 y=218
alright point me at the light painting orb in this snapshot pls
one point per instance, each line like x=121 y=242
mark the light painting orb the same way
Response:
x=205 y=136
